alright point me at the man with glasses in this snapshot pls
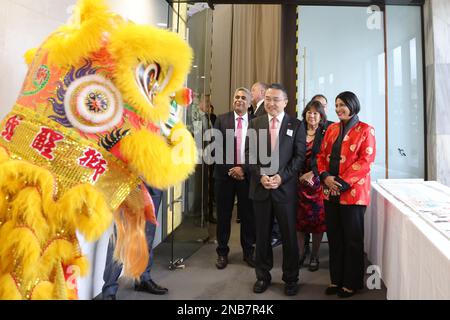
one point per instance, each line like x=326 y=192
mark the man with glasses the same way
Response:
x=231 y=180
x=273 y=186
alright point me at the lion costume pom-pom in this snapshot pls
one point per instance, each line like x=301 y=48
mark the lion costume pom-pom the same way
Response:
x=93 y=118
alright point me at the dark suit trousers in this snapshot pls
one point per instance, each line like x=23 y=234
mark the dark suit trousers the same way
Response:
x=345 y=231
x=286 y=216
x=226 y=190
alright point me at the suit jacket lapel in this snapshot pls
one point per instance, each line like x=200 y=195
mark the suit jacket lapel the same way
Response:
x=265 y=127
x=260 y=110
x=283 y=129
x=230 y=124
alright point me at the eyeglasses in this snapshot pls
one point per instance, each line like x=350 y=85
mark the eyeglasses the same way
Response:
x=275 y=100
x=240 y=97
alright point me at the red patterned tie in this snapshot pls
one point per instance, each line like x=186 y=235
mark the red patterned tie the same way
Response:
x=238 y=141
x=273 y=132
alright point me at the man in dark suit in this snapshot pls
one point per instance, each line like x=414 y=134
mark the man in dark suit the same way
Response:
x=231 y=180
x=258 y=91
x=273 y=186
x=212 y=115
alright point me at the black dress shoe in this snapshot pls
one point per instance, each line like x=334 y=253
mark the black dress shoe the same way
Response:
x=150 y=286
x=261 y=286
x=110 y=297
x=250 y=261
x=291 y=288
x=222 y=262
x=331 y=290
x=345 y=294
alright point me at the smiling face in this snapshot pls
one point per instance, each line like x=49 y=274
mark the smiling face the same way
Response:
x=241 y=102
x=313 y=117
x=342 y=111
x=275 y=101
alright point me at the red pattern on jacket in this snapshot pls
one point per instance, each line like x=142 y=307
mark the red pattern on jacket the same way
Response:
x=357 y=157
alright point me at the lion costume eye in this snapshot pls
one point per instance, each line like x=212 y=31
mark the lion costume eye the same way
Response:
x=151 y=79
x=147 y=78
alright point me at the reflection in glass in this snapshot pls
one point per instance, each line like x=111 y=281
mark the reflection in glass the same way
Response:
x=398 y=67
x=405 y=87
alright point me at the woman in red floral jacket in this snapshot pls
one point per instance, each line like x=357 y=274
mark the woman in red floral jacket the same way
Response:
x=344 y=163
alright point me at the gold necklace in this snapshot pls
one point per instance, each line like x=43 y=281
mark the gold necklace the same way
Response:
x=311 y=135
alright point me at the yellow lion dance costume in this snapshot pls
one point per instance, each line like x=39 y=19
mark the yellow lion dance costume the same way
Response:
x=95 y=117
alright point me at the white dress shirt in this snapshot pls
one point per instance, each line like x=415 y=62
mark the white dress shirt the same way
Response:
x=244 y=131
x=260 y=102
x=280 y=119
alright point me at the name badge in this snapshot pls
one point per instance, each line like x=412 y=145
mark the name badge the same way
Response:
x=289 y=132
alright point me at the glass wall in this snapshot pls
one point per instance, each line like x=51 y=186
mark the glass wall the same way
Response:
x=342 y=48
x=339 y=52
x=405 y=92
x=185 y=226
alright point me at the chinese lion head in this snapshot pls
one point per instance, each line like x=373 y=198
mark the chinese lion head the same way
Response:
x=97 y=115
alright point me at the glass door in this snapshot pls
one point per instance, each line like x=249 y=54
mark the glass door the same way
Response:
x=186 y=204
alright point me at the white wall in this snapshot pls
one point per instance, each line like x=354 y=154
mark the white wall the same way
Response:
x=24 y=24
x=152 y=12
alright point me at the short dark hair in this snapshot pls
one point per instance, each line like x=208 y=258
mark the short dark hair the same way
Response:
x=314 y=104
x=319 y=96
x=351 y=101
x=278 y=86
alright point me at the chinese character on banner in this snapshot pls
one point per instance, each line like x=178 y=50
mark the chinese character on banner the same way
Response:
x=10 y=126
x=93 y=159
x=45 y=142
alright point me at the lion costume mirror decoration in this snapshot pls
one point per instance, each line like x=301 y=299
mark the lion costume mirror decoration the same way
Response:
x=95 y=117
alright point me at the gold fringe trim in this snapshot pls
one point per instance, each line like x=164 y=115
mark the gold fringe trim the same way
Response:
x=37 y=232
